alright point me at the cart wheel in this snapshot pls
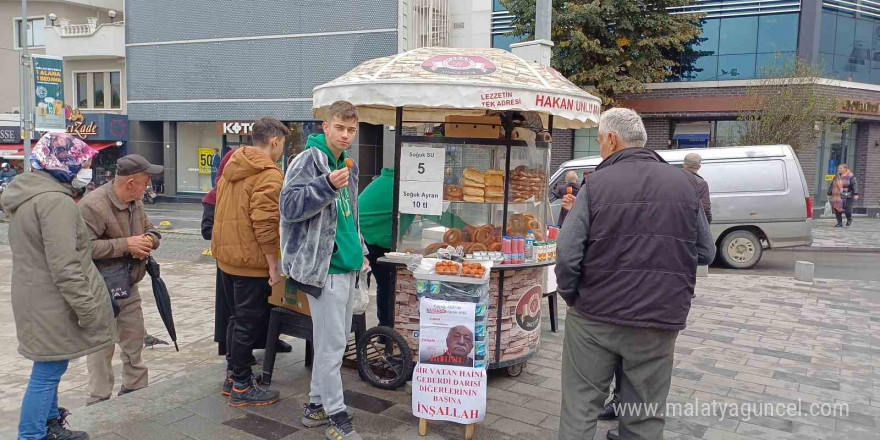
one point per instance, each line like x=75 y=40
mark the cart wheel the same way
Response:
x=384 y=358
x=515 y=370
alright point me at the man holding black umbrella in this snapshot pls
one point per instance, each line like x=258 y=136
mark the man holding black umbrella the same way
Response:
x=122 y=237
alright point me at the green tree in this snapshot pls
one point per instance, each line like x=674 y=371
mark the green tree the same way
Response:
x=614 y=47
x=790 y=106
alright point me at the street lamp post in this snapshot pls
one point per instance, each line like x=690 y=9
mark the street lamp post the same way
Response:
x=25 y=87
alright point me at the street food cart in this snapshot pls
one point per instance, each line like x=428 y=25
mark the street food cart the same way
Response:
x=472 y=156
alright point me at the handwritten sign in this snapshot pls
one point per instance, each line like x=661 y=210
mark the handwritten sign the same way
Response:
x=455 y=394
x=424 y=198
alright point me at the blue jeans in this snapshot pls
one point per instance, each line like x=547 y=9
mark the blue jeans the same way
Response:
x=40 y=399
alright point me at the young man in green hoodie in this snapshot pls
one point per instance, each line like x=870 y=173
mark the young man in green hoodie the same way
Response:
x=322 y=253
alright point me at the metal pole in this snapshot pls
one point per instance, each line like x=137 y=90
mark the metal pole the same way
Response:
x=25 y=87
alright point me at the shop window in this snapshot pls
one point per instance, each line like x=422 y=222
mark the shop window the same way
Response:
x=736 y=67
x=777 y=33
x=98 y=87
x=82 y=90
x=585 y=143
x=708 y=41
x=728 y=133
x=36 y=28
x=115 y=90
x=738 y=35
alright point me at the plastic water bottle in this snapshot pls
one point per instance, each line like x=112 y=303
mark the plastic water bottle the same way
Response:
x=530 y=247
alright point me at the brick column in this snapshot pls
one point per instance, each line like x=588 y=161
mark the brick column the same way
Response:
x=658 y=133
x=563 y=148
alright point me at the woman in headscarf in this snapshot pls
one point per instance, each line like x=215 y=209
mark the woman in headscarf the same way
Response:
x=843 y=191
x=61 y=305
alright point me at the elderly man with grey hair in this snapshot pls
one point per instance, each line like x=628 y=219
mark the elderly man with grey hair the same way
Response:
x=626 y=267
x=692 y=162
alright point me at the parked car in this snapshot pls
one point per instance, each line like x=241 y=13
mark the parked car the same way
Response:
x=760 y=198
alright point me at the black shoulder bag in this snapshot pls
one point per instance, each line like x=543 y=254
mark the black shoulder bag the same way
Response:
x=118 y=276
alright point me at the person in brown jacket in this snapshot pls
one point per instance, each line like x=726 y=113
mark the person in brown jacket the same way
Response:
x=122 y=234
x=245 y=241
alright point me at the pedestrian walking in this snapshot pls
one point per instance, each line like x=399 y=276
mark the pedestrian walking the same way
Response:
x=122 y=239
x=627 y=262
x=692 y=163
x=844 y=191
x=375 y=223
x=60 y=302
x=322 y=254
x=245 y=242
x=7 y=173
x=215 y=168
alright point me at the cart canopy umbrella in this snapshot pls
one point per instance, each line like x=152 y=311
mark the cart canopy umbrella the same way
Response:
x=434 y=82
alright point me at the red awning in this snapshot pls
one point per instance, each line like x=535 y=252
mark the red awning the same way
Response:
x=11 y=152
x=101 y=145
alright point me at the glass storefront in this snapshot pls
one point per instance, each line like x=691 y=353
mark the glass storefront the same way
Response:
x=707 y=134
x=585 y=143
x=849 y=47
x=835 y=148
x=735 y=48
x=199 y=142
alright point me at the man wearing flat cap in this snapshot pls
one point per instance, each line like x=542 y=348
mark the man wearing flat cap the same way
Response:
x=122 y=236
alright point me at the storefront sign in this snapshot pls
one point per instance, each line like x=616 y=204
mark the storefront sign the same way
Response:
x=860 y=107
x=236 y=128
x=97 y=126
x=48 y=93
x=421 y=180
x=829 y=177
x=10 y=134
x=206 y=155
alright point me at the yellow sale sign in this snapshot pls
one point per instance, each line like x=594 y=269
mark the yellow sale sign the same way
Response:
x=205 y=157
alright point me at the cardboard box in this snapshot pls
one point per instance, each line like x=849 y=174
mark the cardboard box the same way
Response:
x=484 y=127
x=283 y=295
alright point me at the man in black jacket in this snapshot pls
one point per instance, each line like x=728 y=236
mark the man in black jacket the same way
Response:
x=692 y=163
x=627 y=262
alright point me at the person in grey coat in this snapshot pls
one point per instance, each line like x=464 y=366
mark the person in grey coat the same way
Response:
x=60 y=302
x=626 y=267
x=692 y=163
x=322 y=251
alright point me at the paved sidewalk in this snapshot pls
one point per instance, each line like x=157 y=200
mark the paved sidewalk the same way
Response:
x=750 y=339
x=863 y=235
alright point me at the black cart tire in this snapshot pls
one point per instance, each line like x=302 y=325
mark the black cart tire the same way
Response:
x=740 y=250
x=387 y=366
x=515 y=369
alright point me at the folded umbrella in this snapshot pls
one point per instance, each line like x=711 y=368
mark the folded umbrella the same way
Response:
x=163 y=300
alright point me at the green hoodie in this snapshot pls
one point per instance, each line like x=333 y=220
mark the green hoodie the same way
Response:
x=349 y=256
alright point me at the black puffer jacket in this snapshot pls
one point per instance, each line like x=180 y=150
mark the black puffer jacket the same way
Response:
x=629 y=250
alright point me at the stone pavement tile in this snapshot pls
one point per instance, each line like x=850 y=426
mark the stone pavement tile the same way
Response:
x=109 y=436
x=701 y=386
x=768 y=422
x=699 y=409
x=171 y=416
x=831 y=394
x=745 y=369
x=807 y=380
x=775 y=366
x=710 y=370
x=214 y=408
x=855 y=431
x=535 y=391
x=261 y=427
x=859 y=419
x=860 y=390
x=763 y=432
x=201 y=428
x=732 y=383
x=519 y=429
x=717 y=434
x=686 y=374
x=686 y=427
x=551 y=423
x=148 y=431
x=783 y=355
x=366 y=402
x=763 y=380
x=543 y=406
x=307 y=434
x=513 y=411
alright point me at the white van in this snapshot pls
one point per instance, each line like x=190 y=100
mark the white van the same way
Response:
x=760 y=198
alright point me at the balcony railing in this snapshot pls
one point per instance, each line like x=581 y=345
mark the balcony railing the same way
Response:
x=84 y=41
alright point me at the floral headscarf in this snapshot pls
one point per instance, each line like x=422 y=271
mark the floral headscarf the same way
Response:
x=61 y=155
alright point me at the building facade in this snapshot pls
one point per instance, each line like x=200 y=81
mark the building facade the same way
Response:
x=201 y=74
x=89 y=35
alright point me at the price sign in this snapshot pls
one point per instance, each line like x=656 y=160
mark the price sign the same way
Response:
x=424 y=164
x=205 y=157
x=425 y=198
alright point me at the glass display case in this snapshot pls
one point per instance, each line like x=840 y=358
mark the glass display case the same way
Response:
x=490 y=190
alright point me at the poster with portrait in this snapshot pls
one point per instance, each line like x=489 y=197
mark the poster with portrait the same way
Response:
x=446 y=332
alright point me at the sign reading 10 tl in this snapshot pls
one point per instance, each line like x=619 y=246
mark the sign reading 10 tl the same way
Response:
x=421 y=180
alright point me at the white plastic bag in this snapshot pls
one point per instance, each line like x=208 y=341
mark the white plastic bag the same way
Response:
x=362 y=292
x=828 y=212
